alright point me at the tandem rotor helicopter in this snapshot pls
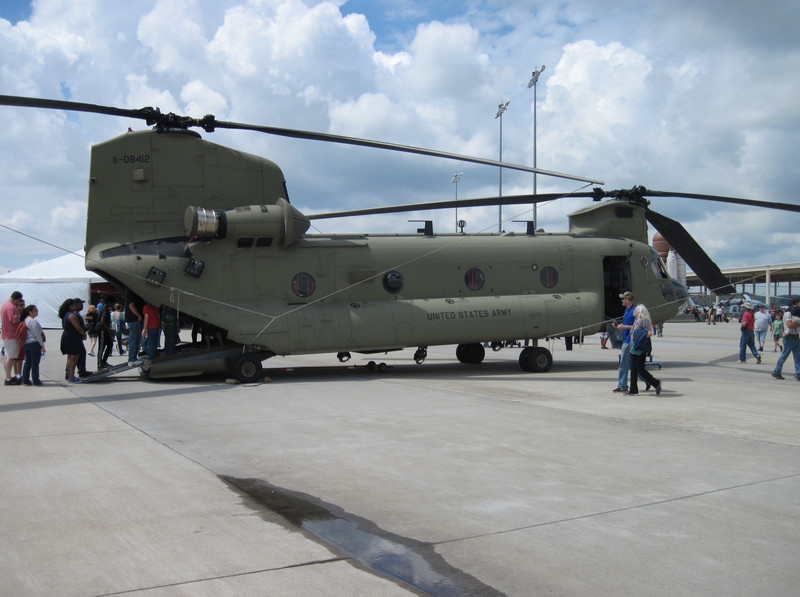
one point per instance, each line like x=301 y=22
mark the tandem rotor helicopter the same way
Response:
x=209 y=230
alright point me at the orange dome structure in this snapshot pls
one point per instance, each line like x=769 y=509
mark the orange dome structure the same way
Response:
x=661 y=246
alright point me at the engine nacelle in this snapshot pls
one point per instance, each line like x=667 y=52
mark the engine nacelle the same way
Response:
x=281 y=222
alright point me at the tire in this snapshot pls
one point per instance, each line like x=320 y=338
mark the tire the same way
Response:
x=471 y=354
x=144 y=371
x=247 y=368
x=535 y=359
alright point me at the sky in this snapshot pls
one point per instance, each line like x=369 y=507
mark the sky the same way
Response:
x=699 y=97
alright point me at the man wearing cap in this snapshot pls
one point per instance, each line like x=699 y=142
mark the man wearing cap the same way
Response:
x=791 y=339
x=748 y=338
x=626 y=325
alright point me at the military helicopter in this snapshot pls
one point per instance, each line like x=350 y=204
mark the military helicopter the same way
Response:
x=209 y=230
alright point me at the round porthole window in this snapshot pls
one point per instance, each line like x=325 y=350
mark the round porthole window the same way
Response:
x=303 y=285
x=393 y=281
x=549 y=277
x=474 y=279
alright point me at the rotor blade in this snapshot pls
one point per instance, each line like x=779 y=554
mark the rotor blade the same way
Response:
x=680 y=240
x=507 y=200
x=736 y=200
x=32 y=102
x=330 y=138
x=209 y=123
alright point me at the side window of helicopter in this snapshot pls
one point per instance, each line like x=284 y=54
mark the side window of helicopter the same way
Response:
x=548 y=276
x=474 y=279
x=303 y=285
x=244 y=243
x=393 y=281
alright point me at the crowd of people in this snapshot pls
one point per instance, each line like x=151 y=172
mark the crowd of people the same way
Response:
x=142 y=324
x=137 y=325
x=783 y=325
x=757 y=325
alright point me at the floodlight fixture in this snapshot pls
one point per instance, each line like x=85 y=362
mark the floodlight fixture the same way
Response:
x=502 y=107
x=535 y=77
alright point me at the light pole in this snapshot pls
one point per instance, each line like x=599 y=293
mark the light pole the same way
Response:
x=501 y=107
x=532 y=83
x=456 y=177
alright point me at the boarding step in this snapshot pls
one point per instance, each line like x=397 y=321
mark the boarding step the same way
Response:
x=113 y=370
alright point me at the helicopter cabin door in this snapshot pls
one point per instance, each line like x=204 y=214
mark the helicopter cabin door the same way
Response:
x=616 y=280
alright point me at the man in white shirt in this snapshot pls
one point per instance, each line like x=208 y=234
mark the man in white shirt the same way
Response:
x=761 y=325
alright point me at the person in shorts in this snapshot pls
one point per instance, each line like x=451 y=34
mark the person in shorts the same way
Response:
x=12 y=343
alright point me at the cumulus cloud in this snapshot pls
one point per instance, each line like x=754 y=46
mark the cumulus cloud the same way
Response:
x=687 y=96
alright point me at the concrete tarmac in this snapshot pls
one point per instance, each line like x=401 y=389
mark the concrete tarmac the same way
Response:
x=438 y=479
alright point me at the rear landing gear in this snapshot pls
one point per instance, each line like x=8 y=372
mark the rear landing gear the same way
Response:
x=535 y=359
x=247 y=368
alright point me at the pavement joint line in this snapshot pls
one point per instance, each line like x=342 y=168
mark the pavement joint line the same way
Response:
x=224 y=576
x=616 y=510
x=73 y=434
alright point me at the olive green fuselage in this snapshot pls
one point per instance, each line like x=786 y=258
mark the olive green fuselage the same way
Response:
x=260 y=277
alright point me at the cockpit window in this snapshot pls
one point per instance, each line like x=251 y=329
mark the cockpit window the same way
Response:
x=658 y=267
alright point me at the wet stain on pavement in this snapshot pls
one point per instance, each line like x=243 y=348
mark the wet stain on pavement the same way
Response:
x=411 y=563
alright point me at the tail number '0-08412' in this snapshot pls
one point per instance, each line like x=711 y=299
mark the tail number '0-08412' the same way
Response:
x=141 y=158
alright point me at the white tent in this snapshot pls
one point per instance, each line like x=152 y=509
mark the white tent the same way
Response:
x=49 y=283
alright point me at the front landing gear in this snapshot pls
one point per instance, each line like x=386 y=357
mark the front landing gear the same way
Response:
x=535 y=359
x=420 y=355
x=471 y=354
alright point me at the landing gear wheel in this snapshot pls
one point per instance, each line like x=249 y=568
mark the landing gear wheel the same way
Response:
x=144 y=370
x=535 y=359
x=471 y=354
x=420 y=355
x=247 y=368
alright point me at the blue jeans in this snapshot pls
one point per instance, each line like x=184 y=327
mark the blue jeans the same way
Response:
x=33 y=354
x=791 y=344
x=170 y=341
x=624 y=365
x=747 y=341
x=134 y=338
x=151 y=342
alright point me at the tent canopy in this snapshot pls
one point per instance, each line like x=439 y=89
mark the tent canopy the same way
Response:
x=50 y=283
